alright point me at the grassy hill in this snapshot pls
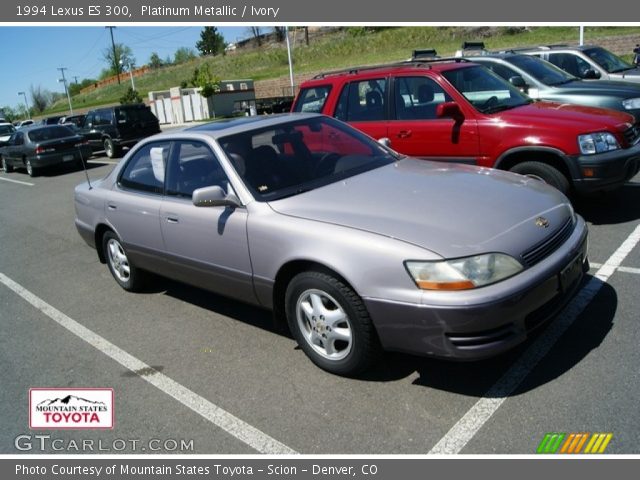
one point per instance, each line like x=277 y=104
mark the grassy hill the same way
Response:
x=341 y=48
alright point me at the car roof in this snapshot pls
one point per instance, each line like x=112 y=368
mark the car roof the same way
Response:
x=230 y=126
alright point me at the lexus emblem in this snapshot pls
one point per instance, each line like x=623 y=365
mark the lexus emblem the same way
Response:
x=542 y=222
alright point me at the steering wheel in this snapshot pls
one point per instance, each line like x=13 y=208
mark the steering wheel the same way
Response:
x=326 y=164
x=490 y=102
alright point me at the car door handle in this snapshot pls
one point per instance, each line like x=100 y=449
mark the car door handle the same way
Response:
x=172 y=219
x=112 y=206
x=404 y=133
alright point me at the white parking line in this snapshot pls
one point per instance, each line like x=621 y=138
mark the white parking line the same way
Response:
x=17 y=181
x=620 y=269
x=110 y=162
x=241 y=430
x=467 y=427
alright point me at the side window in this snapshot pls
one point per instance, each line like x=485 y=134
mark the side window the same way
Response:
x=193 y=165
x=145 y=171
x=90 y=120
x=417 y=98
x=365 y=101
x=312 y=99
x=570 y=63
x=18 y=138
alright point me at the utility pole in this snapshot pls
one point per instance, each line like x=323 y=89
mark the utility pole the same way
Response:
x=115 y=60
x=26 y=103
x=75 y=79
x=66 y=90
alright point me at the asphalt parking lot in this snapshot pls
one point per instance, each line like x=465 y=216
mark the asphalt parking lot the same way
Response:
x=188 y=365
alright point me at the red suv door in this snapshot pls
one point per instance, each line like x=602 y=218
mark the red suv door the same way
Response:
x=416 y=130
x=363 y=103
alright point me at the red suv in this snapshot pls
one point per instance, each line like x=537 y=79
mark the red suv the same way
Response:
x=458 y=111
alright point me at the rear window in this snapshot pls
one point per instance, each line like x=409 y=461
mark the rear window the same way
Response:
x=49 y=133
x=5 y=129
x=312 y=99
x=132 y=115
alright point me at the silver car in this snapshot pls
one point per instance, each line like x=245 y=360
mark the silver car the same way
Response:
x=360 y=249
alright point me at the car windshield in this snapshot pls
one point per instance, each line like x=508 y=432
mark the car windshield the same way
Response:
x=542 y=71
x=486 y=91
x=301 y=155
x=6 y=129
x=49 y=133
x=607 y=60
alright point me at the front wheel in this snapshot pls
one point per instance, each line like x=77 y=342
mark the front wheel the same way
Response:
x=541 y=171
x=331 y=324
x=111 y=149
x=123 y=271
x=5 y=166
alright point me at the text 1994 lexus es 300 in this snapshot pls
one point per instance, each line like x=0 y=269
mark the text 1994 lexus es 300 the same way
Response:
x=361 y=249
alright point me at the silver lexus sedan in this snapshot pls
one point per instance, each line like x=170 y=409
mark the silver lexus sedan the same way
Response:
x=360 y=249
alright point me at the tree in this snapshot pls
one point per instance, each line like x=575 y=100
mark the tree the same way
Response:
x=211 y=42
x=40 y=99
x=257 y=34
x=280 y=33
x=183 y=55
x=155 y=61
x=8 y=113
x=123 y=57
x=131 y=96
x=75 y=88
x=203 y=78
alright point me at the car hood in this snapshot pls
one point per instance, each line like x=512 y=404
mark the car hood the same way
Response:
x=579 y=118
x=600 y=88
x=453 y=211
x=632 y=75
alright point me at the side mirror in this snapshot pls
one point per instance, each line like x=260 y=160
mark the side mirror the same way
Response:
x=591 y=74
x=449 y=110
x=214 y=197
x=518 y=82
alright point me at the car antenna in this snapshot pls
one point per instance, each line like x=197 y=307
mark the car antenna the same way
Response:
x=84 y=166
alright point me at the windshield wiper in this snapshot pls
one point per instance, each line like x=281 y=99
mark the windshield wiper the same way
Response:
x=501 y=108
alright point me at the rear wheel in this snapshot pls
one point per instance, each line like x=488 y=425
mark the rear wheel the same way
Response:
x=546 y=173
x=124 y=272
x=30 y=170
x=331 y=324
x=5 y=166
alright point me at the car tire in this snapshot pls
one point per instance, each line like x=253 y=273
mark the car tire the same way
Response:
x=331 y=324
x=111 y=149
x=124 y=272
x=30 y=170
x=5 y=166
x=541 y=171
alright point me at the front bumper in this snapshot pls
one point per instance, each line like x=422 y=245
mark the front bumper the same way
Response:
x=610 y=170
x=471 y=330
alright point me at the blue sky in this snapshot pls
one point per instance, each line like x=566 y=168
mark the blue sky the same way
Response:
x=31 y=55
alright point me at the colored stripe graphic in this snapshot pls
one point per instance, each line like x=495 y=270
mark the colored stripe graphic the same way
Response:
x=574 y=442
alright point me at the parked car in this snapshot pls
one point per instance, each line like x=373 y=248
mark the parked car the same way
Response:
x=360 y=248
x=51 y=120
x=24 y=123
x=542 y=80
x=112 y=128
x=6 y=130
x=36 y=148
x=589 y=62
x=76 y=120
x=458 y=111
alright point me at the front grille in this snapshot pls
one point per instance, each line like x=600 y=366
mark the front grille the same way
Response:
x=632 y=135
x=548 y=246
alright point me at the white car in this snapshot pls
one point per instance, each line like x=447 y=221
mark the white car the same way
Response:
x=25 y=123
x=6 y=130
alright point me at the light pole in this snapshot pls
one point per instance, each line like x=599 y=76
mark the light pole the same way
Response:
x=26 y=103
x=286 y=31
x=66 y=90
x=130 y=66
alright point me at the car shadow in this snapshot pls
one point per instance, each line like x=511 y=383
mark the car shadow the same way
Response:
x=474 y=379
x=609 y=208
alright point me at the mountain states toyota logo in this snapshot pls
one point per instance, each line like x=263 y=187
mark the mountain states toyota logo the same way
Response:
x=70 y=408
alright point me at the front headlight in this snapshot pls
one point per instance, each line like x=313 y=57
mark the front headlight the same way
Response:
x=597 y=143
x=631 y=103
x=463 y=273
